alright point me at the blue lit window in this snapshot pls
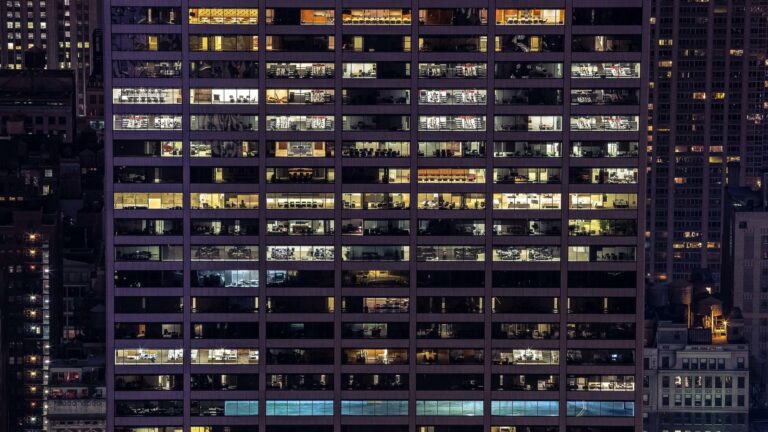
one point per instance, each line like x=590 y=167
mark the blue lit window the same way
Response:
x=374 y=407
x=300 y=408
x=241 y=408
x=449 y=408
x=600 y=409
x=527 y=408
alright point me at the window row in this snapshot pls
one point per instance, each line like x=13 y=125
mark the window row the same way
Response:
x=228 y=69
x=375 y=201
x=518 y=43
x=537 y=96
x=150 y=15
x=374 y=149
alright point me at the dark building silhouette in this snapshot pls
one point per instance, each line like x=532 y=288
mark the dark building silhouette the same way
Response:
x=707 y=110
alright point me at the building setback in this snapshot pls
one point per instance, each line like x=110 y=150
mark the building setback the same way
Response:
x=399 y=216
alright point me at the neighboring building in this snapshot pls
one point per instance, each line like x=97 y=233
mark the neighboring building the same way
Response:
x=38 y=102
x=27 y=283
x=391 y=216
x=60 y=29
x=707 y=116
x=76 y=400
x=696 y=364
x=694 y=386
x=746 y=266
x=52 y=307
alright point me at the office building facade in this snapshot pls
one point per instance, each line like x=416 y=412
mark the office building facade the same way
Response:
x=375 y=216
x=706 y=114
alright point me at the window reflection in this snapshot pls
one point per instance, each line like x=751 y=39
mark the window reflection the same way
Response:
x=146 y=69
x=376 y=16
x=528 y=70
x=223 y=69
x=530 y=16
x=151 y=95
x=604 y=175
x=453 y=97
x=526 y=253
x=452 y=123
x=453 y=70
x=300 y=96
x=526 y=201
x=146 y=122
x=526 y=357
x=139 y=356
x=458 y=356
x=605 y=123
x=605 y=70
x=604 y=149
x=453 y=16
x=601 y=253
x=145 y=201
x=605 y=201
x=224 y=43
x=380 y=70
x=605 y=96
x=300 y=253
x=300 y=70
x=450 y=253
x=300 y=227
x=526 y=175
x=381 y=122
x=527 y=149
x=451 y=175
x=375 y=304
x=290 y=149
x=362 y=149
x=526 y=227
x=601 y=383
x=375 y=278
x=525 y=43
x=225 y=278
x=528 y=123
x=223 y=149
x=465 y=44
x=296 y=201
x=300 y=175
x=451 y=201
x=223 y=96
x=223 y=122
x=296 y=16
x=227 y=16
x=376 y=43
x=461 y=149
x=535 y=331
x=230 y=201
x=133 y=15
x=146 y=42
x=225 y=253
x=373 y=356
x=376 y=201
x=602 y=227
x=300 y=123
x=375 y=253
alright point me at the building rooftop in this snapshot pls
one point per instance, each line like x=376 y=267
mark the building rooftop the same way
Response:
x=36 y=87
